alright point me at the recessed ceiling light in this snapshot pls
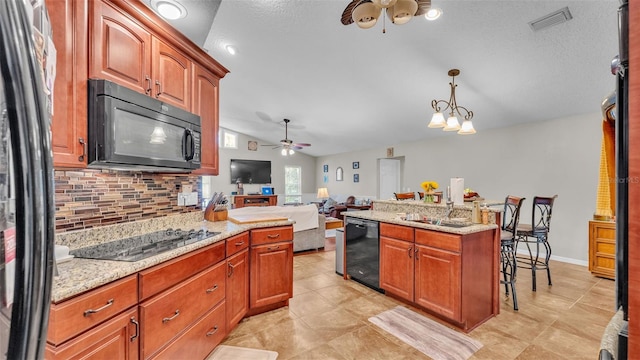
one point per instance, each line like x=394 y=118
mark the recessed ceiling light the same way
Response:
x=433 y=14
x=169 y=9
x=230 y=49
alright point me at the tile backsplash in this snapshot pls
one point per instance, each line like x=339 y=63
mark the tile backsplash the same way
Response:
x=89 y=198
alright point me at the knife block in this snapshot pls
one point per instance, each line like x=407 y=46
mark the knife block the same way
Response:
x=211 y=215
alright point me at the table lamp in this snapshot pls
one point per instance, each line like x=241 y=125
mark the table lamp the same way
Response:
x=323 y=193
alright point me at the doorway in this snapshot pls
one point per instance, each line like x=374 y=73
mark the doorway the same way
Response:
x=388 y=177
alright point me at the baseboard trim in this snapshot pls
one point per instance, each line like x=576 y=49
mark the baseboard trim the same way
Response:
x=557 y=258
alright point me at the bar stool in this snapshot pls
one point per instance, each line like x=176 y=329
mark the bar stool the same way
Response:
x=511 y=216
x=537 y=233
x=405 y=196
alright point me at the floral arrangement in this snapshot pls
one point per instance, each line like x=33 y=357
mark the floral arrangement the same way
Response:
x=428 y=187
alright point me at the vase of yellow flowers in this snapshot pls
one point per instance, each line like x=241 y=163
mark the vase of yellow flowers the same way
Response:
x=429 y=187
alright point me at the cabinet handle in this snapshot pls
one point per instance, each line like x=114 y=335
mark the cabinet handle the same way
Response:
x=148 y=89
x=91 y=311
x=137 y=324
x=240 y=243
x=159 y=89
x=213 y=331
x=274 y=236
x=416 y=253
x=167 y=319
x=84 y=149
x=409 y=252
x=214 y=288
x=230 y=272
x=273 y=248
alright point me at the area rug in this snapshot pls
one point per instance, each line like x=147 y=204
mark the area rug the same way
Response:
x=226 y=352
x=434 y=340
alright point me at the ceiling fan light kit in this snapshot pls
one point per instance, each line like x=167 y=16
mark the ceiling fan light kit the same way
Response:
x=288 y=146
x=365 y=13
x=452 y=124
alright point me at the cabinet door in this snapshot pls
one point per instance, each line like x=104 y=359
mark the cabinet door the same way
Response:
x=120 y=49
x=205 y=104
x=271 y=273
x=171 y=73
x=69 y=122
x=602 y=249
x=437 y=282
x=397 y=267
x=115 y=339
x=237 y=296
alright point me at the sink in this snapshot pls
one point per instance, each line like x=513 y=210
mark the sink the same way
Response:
x=455 y=224
x=446 y=223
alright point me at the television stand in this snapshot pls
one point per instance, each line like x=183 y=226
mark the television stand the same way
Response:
x=240 y=201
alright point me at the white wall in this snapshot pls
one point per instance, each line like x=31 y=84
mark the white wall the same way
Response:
x=222 y=182
x=560 y=156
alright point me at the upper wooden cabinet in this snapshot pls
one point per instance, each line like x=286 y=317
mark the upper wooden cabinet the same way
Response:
x=205 y=103
x=126 y=42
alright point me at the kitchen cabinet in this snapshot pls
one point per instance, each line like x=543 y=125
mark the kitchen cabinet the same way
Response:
x=397 y=252
x=237 y=296
x=115 y=339
x=602 y=249
x=271 y=268
x=240 y=201
x=437 y=281
x=127 y=43
x=206 y=104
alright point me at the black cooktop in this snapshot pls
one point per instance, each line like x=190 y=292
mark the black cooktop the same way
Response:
x=143 y=246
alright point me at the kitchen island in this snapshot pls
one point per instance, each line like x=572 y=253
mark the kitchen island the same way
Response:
x=450 y=272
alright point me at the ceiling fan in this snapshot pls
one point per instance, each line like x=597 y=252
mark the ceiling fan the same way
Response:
x=365 y=13
x=287 y=145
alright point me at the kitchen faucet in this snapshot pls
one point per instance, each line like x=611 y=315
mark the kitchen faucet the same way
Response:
x=449 y=203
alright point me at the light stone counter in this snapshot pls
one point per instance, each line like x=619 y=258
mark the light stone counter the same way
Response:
x=394 y=218
x=432 y=210
x=79 y=275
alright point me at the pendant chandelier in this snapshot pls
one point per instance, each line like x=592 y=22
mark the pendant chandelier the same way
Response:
x=452 y=123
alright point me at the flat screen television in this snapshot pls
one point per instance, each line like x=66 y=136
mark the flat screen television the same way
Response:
x=250 y=171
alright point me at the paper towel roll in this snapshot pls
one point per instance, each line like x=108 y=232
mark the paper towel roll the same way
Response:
x=457 y=191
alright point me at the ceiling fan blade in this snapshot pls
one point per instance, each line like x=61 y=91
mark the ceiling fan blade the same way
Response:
x=301 y=144
x=296 y=147
x=347 y=18
x=423 y=7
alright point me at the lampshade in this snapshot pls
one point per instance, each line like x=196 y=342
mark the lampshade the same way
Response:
x=283 y=152
x=402 y=11
x=323 y=193
x=384 y=3
x=366 y=15
x=452 y=124
x=467 y=128
x=437 y=120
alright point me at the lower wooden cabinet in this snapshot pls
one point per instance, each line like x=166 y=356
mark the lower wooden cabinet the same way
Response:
x=602 y=249
x=115 y=339
x=397 y=267
x=237 y=297
x=437 y=281
x=271 y=274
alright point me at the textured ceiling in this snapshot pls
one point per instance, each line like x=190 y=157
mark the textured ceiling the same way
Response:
x=348 y=89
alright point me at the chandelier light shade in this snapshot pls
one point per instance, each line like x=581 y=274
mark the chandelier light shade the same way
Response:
x=454 y=110
x=402 y=11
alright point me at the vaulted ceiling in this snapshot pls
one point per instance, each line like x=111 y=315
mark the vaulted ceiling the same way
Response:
x=348 y=89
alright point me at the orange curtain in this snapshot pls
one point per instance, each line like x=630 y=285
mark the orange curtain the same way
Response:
x=605 y=199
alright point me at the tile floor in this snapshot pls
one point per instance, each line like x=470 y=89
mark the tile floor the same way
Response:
x=327 y=318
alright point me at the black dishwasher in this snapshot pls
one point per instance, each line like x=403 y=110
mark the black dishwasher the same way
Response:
x=363 y=251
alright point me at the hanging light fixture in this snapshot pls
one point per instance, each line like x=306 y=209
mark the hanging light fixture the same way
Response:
x=452 y=123
x=365 y=13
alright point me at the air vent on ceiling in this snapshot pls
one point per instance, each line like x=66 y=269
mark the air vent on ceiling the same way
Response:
x=551 y=19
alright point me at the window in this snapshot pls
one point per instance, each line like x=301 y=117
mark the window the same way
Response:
x=229 y=140
x=292 y=184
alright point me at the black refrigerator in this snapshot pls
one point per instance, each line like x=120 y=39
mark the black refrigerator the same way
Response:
x=26 y=178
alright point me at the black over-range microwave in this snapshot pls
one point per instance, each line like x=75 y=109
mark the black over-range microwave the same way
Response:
x=133 y=131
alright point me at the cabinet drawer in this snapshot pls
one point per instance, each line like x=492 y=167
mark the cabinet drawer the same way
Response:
x=76 y=315
x=237 y=243
x=444 y=241
x=167 y=314
x=169 y=273
x=200 y=339
x=397 y=231
x=271 y=235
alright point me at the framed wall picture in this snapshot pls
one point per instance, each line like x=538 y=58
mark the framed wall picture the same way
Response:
x=339 y=174
x=356 y=165
x=389 y=152
x=252 y=145
x=325 y=168
x=356 y=178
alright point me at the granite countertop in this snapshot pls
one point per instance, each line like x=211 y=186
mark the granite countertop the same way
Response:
x=79 y=275
x=394 y=218
x=493 y=205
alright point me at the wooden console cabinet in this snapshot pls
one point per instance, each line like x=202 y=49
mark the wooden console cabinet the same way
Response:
x=602 y=248
x=240 y=201
x=446 y=274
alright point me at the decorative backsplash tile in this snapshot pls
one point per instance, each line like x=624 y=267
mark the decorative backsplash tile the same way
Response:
x=90 y=198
